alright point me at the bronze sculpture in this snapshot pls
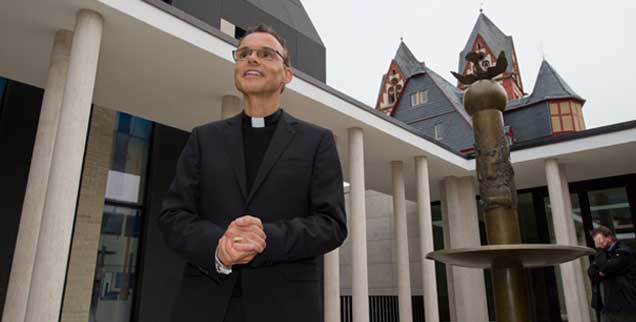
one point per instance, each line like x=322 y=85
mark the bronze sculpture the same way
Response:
x=485 y=100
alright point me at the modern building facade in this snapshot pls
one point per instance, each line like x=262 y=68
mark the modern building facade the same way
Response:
x=97 y=99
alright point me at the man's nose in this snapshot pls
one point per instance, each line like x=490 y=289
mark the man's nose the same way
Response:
x=253 y=56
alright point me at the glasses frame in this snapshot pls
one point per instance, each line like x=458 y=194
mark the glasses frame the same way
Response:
x=252 y=50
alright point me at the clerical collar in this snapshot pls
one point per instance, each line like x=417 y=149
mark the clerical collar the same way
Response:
x=262 y=121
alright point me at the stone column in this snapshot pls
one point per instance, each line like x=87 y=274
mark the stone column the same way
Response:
x=45 y=296
x=331 y=264
x=402 y=240
x=425 y=219
x=564 y=230
x=466 y=286
x=34 y=198
x=360 y=280
x=230 y=106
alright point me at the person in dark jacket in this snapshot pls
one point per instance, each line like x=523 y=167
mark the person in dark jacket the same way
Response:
x=613 y=275
x=255 y=201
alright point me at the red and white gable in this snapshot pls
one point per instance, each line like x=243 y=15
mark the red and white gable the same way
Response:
x=511 y=81
x=391 y=89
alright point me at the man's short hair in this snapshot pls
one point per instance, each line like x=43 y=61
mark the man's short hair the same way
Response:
x=603 y=231
x=269 y=30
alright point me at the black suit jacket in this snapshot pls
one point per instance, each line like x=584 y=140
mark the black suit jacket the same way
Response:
x=298 y=195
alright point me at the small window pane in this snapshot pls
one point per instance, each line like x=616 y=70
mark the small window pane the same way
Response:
x=567 y=123
x=556 y=124
x=414 y=99
x=554 y=109
x=565 y=107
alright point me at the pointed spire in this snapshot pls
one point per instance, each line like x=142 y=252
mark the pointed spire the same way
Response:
x=409 y=65
x=550 y=85
x=494 y=38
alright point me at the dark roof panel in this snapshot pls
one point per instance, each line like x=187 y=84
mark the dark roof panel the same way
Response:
x=407 y=61
x=291 y=13
x=454 y=94
x=496 y=40
x=549 y=85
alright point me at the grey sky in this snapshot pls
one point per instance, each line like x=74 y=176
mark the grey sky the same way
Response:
x=589 y=43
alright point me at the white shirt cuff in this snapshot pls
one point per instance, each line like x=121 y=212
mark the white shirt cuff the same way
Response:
x=220 y=268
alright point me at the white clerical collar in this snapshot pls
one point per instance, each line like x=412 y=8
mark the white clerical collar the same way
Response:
x=258 y=121
x=261 y=122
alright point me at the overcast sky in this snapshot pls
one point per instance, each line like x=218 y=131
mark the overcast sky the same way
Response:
x=589 y=43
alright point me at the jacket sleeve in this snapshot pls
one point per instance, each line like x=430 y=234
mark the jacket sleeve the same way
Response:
x=325 y=228
x=617 y=264
x=195 y=239
x=593 y=270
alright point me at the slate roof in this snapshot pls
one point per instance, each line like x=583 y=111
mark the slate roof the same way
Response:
x=407 y=61
x=494 y=38
x=292 y=13
x=454 y=94
x=411 y=67
x=549 y=85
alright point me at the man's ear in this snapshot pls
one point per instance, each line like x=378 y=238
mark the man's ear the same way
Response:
x=288 y=75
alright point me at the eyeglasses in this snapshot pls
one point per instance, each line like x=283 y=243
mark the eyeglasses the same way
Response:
x=265 y=53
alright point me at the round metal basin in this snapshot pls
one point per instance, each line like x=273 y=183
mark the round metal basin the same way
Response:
x=529 y=255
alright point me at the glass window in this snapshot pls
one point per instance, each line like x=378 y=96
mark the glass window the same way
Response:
x=564 y=117
x=113 y=285
x=115 y=272
x=126 y=177
x=419 y=98
x=581 y=241
x=609 y=207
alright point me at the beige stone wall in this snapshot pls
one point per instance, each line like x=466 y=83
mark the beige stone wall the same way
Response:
x=381 y=247
x=86 y=234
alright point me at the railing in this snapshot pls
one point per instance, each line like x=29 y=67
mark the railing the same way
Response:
x=382 y=308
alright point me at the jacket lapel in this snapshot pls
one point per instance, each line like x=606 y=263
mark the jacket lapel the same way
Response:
x=234 y=148
x=280 y=141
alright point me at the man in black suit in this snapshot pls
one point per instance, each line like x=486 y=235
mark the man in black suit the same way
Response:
x=255 y=201
x=613 y=276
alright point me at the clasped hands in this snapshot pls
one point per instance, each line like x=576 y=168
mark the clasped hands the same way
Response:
x=242 y=241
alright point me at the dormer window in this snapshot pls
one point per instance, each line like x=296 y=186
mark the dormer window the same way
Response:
x=419 y=98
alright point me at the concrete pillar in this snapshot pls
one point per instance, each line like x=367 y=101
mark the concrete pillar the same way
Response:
x=332 y=286
x=571 y=272
x=402 y=240
x=466 y=286
x=425 y=219
x=45 y=296
x=230 y=106
x=360 y=280
x=34 y=198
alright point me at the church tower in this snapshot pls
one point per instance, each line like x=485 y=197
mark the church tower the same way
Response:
x=402 y=67
x=487 y=38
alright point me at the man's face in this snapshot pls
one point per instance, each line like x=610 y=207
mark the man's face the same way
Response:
x=601 y=242
x=255 y=76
